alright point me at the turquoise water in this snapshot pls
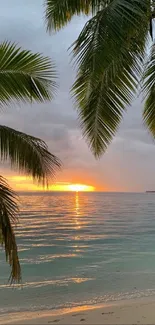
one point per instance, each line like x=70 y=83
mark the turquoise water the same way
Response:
x=82 y=248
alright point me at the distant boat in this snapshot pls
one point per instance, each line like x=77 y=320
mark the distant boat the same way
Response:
x=150 y=191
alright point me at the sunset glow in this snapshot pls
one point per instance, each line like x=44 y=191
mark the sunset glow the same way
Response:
x=23 y=183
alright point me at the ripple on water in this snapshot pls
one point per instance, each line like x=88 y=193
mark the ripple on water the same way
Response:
x=82 y=248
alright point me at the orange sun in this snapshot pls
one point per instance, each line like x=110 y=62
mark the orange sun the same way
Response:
x=80 y=188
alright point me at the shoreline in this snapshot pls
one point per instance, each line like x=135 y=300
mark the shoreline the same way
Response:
x=138 y=311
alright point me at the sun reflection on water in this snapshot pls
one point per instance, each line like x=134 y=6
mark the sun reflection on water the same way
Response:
x=77 y=211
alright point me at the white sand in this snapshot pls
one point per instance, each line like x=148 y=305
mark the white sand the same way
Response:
x=131 y=312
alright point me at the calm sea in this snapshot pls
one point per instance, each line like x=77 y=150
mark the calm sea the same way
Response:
x=82 y=249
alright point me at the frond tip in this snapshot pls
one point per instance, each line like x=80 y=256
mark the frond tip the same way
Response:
x=28 y=154
x=8 y=216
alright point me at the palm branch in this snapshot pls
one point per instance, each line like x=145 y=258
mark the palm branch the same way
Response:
x=25 y=76
x=8 y=215
x=110 y=53
x=30 y=155
x=59 y=12
x=149 y=91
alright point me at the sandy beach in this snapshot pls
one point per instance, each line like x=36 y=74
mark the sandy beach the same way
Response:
x=133 y=312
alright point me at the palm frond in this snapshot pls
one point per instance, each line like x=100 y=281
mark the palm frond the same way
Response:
x=8 y=217
x=25 y=76
x=149 y=90
x=109 y=53
x=59 y=12
x=28 y=154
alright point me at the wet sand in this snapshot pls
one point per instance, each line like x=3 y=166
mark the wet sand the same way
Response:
x=131 y=312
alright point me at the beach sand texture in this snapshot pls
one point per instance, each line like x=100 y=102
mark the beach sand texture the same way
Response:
x=137 y=312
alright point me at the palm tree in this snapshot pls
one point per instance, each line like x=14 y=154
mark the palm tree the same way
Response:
x=112 y=61
x=24 y=76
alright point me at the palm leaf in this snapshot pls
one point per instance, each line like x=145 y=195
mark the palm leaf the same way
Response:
x=59 y=12
x=109 y=53
x=8 y=215
x=149 y=90
x=25 y=76
x=28 y=154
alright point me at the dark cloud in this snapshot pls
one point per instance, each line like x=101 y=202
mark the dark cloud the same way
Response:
x=129 y=161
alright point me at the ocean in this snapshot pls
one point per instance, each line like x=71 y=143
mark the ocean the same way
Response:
x=79 y=249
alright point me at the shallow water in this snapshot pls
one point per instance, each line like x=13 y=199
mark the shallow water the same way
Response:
x=82 y=248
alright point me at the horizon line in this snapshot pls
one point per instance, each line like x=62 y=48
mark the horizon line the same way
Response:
x=99 y=191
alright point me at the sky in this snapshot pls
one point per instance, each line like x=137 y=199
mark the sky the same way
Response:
x=129 y=163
